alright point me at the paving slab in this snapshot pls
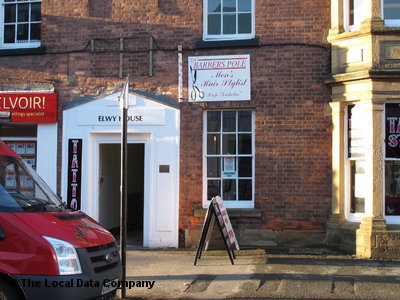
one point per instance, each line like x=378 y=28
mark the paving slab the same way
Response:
x=257 y=274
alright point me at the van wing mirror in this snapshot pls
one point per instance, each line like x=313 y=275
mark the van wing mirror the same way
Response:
x=2 y=234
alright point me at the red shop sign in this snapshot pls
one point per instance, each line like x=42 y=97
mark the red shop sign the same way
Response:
x=30 y=107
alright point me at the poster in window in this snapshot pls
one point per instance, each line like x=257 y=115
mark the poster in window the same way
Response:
x=21 y=148
x=30 y=149
x=392 y=138
x=229 y=167
x=13 y=146
x=10 y=181
x=30 y=162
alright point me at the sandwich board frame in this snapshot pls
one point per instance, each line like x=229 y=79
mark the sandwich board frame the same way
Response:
x=217 y=211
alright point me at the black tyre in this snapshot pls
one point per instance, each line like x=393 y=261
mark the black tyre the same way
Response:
x=8 y=292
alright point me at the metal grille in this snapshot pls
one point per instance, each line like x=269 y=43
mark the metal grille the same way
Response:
x=103 y=257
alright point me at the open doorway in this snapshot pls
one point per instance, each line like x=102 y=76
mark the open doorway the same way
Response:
x=109 y=190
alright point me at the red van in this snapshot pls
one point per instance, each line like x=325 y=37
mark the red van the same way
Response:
x=48 y=251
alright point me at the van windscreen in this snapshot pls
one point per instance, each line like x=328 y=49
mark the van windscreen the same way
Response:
x=22 y=190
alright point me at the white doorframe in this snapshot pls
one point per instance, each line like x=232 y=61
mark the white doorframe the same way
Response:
x=93 y=156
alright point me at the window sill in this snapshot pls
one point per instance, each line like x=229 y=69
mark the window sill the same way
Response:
x=233 y=212
x=254 y=42
x=22 y=51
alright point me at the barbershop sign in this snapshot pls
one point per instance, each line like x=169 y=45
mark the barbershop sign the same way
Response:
x=30 y=107
x=219 y=78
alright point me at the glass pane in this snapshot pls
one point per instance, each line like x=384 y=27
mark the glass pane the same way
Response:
x=244 y=144
x=214 y=24
x=391 y=9
x=245 y=166
x=229 y=5
x=244 y=23
x=22 y=32
x=213 y=121
x=23 y=12
x=9 y=14
x=244 y=5
x=392 y=188
x=229 y=24
x=245 y=189
x=244 y=120
x=214 y=5
x=229 y=189
x=357 y=204
x=213 y=188
x=213 y=167
x=229 y=144
x=213 y=144
x=35 y=12
x=9 y=34
x=229 y=121
x=35 y=32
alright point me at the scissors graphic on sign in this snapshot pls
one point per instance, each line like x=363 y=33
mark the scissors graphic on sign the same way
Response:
x=196 y=92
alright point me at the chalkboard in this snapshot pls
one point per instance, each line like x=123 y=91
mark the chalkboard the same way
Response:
x=217 y=211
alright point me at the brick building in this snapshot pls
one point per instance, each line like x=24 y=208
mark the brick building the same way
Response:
x=250 y=121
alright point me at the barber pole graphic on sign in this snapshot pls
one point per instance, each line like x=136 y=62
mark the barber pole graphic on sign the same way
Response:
x=74 y=173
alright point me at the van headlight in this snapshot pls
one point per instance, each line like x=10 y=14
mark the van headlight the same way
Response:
x=67 y=258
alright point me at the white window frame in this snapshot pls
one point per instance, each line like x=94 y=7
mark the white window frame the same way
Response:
x=349 y=216
x=22 y=45
x=231 y=203
x=389 y=22
x=238 y=36
x=359 y=15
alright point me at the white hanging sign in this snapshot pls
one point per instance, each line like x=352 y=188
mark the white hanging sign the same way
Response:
x=219 y=78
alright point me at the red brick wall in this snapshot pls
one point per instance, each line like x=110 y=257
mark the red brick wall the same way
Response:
x=293 y=152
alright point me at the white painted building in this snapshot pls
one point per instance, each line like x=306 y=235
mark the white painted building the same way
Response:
x=153 y=163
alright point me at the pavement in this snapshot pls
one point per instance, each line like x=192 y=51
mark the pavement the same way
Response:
x=258 y=274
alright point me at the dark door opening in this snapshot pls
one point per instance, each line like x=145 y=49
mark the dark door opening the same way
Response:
x=109 y=190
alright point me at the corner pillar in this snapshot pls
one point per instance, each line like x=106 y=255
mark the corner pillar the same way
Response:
x=373 y=225
x=333 y=235
x=337 y=162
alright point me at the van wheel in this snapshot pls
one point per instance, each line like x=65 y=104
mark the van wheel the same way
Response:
x=8 y=292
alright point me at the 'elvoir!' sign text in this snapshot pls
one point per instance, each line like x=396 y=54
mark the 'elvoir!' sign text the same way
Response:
x=30 y=107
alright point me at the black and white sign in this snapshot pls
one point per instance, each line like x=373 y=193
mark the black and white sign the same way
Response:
x=74 y=173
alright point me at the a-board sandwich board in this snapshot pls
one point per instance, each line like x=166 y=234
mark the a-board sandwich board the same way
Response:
x=217 y=211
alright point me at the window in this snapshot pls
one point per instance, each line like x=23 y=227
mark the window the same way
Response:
x=21 y=22
x=354 y=14
x=391 y=12
x=228 y=19
x=355 y=163
x=229 y=159
x=392 y=162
